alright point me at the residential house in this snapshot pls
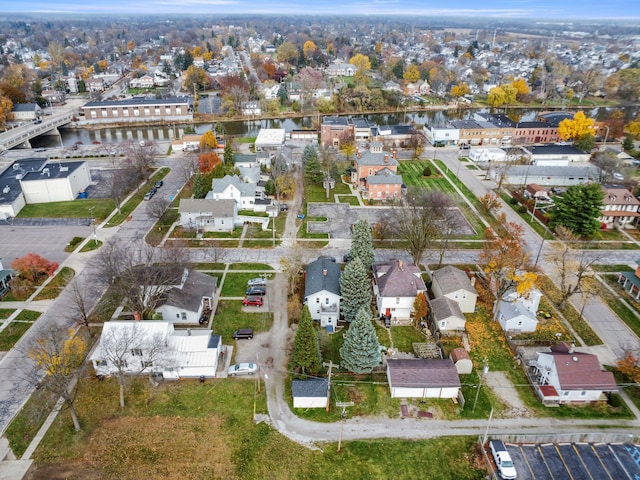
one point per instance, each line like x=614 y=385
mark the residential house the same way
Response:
x=55 y=182
x=208 y=215
x=455 y=284
x=620 y=208
x=232 y=188
x=54 y=97
x=26 y=112
x=146 y=81
x=139 y=110
x=322 y=292
x=631 y=281
x=155 y=347
x=310 y=393
x=251 y=108
x=460 y=358
x=518 y=313
x=446 y=316
x=368 y=164
x=190 y=301
x=341 y=69
x=94 y=84
x=6 y=274
x=567 y=376
x=396 y=285
x=422 y=378
x=271 y=92
x=392 y=86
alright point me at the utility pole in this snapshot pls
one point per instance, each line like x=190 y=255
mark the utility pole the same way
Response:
x=485 y=370
x=343 y=417
x=330 y=365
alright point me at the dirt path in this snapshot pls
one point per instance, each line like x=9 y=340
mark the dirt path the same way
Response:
x=505 y=391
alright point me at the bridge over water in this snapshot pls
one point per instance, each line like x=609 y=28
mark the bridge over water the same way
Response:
x=19 y=136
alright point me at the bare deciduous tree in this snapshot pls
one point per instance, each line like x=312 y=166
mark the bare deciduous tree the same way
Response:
x=157 y=207
x=82 y=301
x=127 y=349
x=292 y=266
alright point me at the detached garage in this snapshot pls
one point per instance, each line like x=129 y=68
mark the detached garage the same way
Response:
x=423 y=378
x=311 y=393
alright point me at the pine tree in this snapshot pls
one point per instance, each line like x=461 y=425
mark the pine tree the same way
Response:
x=360 y=352
x=355 y=289
x=305 y=356
x=362 y=244
x=228 y=152
x=312 y=167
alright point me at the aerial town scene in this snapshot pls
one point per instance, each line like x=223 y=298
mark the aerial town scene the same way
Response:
x=334 y=241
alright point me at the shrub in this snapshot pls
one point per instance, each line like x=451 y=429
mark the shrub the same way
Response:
x=514 y=201
x=522 y=209
x=427 y=171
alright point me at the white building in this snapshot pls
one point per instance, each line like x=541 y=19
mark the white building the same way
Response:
x=322 y=292
x=310 y=393
x=453 y=283
x=270 y=139
x=149 y=346
x=56 y=182
x=487 y=155
x=208 y=215
x=396 y=285
x=422 y=378
x=518 y=314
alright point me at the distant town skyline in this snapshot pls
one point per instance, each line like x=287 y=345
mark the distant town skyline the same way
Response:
x=566 y=10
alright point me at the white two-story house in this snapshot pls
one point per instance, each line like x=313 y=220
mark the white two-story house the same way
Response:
x=396 y=285
x=322 y=292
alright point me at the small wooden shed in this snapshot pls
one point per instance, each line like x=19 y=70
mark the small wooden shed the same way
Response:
x=310 y=393
x=460 y=358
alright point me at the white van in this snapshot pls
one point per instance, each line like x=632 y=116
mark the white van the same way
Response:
x=504 y=464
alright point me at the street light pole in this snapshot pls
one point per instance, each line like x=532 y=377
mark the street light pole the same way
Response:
x=93 y=222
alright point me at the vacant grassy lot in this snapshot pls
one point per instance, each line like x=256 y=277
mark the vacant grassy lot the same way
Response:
x=190 y=430
x=230 y=317
x=80 y=208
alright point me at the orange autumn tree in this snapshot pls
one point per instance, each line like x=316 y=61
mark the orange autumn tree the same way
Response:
x=629 y=366
x=32 y=267
x=420 y=307
x=207 y=161
x=504 y=257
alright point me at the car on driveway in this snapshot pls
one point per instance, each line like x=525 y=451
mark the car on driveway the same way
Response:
x=257 y=282
x=252 y=301
x=243 y=333
x=242 y=369
x=256 y=291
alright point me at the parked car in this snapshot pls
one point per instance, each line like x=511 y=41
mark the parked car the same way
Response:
x=284 y=207
x=252 y=301
x=256 y=291
x=148 y=195
x=242 y=369
x=257 y=282
x=243 y=333
x=346 y=258
x=159 y=183
x=504 y=464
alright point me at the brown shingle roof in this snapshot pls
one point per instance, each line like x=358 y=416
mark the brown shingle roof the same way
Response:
x=422 y=372
x=398 y=279
x=581 y=371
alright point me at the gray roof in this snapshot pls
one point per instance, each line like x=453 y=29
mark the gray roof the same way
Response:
x=220 y=208
x=398 y=279
x=312 y=387
x=25 y=107
x=510 y=310
x=384 y=177
x=9 y=178
x=244 y=158
x=343 y=121
x=444 y=307
x=556 y=150
x=53 y=170
x=422 y=372
x=369 y=158
x=317 y=281
x=140 y=101
x=451 y=279
x=196 y=286
x=221 y=184
x=580 y=171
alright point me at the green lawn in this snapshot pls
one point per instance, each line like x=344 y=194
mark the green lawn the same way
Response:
x=250 y=266
x=405 y=336
x=56 y=285
x=230 y=317
x=627 y=315
x=10 y=335
x=235 y=284
x=80 y=208
x=6 y=313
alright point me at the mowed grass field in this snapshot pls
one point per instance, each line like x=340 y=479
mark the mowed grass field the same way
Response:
x=190 y=430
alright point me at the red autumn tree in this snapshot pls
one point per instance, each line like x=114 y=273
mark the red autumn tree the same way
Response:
x=32 y=266
x=629 y=366
x=207 y=161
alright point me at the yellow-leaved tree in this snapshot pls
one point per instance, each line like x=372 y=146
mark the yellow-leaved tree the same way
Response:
x=497 y=97
x=521 y=86
x=460 y=90
x=363 y=64
x=208 y=141
x=411 y=74
x=58 y=354
x=576 y=127
x=309 y=48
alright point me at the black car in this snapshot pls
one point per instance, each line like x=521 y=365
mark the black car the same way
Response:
x=159 y=183
x=243 y=333
x=252 y=291
x=346 y=258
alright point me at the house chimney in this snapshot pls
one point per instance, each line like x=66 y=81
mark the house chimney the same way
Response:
x=571 y=348
x=400 y=265
x=393 y=154
x=473 y=280
x=386 y=158
x=324 y=272
x=136 y=316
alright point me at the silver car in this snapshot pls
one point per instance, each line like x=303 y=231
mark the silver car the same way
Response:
x=256 y=282
x=242 y=369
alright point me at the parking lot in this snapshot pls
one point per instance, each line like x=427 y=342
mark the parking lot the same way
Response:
x=577 y=461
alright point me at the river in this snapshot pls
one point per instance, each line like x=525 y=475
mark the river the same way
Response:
x=250 y=128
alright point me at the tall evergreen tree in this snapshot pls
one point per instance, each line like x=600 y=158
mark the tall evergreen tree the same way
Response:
x=305 y=356
x=312 y=167
x=228 y=152
x=578 y=209
x=362 y=243
x=355 y=289
x=360 y=352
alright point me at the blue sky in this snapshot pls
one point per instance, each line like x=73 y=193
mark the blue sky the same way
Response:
x=552 y=9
